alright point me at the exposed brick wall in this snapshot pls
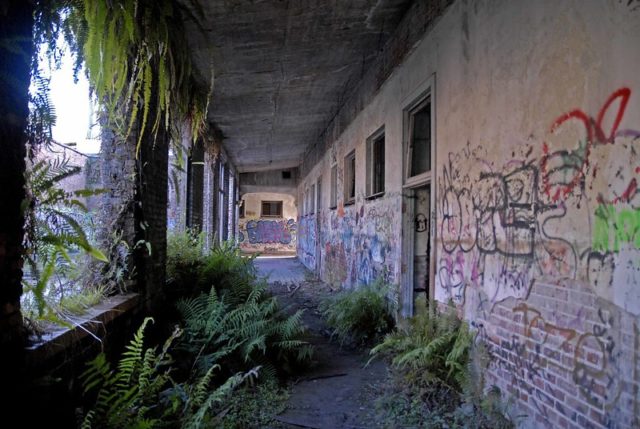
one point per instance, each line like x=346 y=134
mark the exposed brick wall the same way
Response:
x=570 y=357
x=116 y=221
x=210 y=192
x=195 y=184
x=197 y=203
x=152 y=213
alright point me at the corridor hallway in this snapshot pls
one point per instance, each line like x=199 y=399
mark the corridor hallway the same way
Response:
x=337 y=392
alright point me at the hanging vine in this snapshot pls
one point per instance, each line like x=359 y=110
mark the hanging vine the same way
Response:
x=133 y=52
x=136 y=61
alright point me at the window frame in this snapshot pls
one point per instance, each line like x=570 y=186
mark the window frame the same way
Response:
x=419 y=103
x=333 y=191
x=349 y=177
x=378 y=135
x=271 y=216
x=318 y=195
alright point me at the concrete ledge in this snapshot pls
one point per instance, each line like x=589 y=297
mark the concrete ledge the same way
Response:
x=92 y=324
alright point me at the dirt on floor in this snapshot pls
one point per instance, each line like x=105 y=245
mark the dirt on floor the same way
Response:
x=338 y=391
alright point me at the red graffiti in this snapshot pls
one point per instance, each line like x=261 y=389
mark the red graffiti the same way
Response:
x=575 y=163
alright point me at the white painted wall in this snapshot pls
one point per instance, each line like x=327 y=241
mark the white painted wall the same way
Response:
x=537 y=238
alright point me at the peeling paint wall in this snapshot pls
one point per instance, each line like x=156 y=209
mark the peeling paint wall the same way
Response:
x=537 y=219
x=268 y=235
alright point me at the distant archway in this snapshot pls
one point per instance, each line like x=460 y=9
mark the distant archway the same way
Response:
x=268 y=223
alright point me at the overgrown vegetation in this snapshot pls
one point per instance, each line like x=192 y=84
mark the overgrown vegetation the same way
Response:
x=133 y=54
x=242 y=330
x=185 y=258
x=229 y=317
x=360 y=316
x=233 y=333
x=58 y=236
x=141 y=392
x=438 y=376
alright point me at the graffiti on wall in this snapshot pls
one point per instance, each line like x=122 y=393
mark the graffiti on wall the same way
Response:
x=307 y=239
x=503 y=227
x=360 y=244
x=563 y=359
x=543 y=250
x=268 y=235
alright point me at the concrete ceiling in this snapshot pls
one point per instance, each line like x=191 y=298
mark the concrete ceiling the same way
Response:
x=283 y=67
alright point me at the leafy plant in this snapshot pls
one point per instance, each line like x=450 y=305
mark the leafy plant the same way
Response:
x=196 y=404
x=438 y=377
x=433 y=348
x=361 y=315
x=241 y=334
x=185 y=258
x=141 y=393
x=55 y=231
x=231 y=272
x=134 y=55
x=126 y=395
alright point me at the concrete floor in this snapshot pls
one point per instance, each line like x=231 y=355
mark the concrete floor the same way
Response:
x=338 y=391
x=281 y=269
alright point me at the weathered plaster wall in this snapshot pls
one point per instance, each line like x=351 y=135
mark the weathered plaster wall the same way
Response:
x=276 y=181
x=268 y=235
x=537 y=236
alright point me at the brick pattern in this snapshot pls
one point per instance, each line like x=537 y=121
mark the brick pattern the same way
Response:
x=195 y=191
x=569 y=358
x=118 y=178
x=151 y=219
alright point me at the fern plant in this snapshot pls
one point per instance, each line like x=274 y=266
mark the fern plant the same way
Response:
x=195 y=405
x=439 y=375
x=362 y=315
x=134 y=55
x=434 y=348
x=231 y=272
x=140 y=392
x=55 y=230
x=126 y=395
x=242 y=334
x=185 y=258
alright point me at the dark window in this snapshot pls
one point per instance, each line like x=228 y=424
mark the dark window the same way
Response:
x=420 y=139
x=319 y=194
x=334 y=187
x=286 y=174
x=375 y=164
x=350 y=178
x=271 y=209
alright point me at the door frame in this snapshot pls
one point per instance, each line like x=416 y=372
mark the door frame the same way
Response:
x=422 y=91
